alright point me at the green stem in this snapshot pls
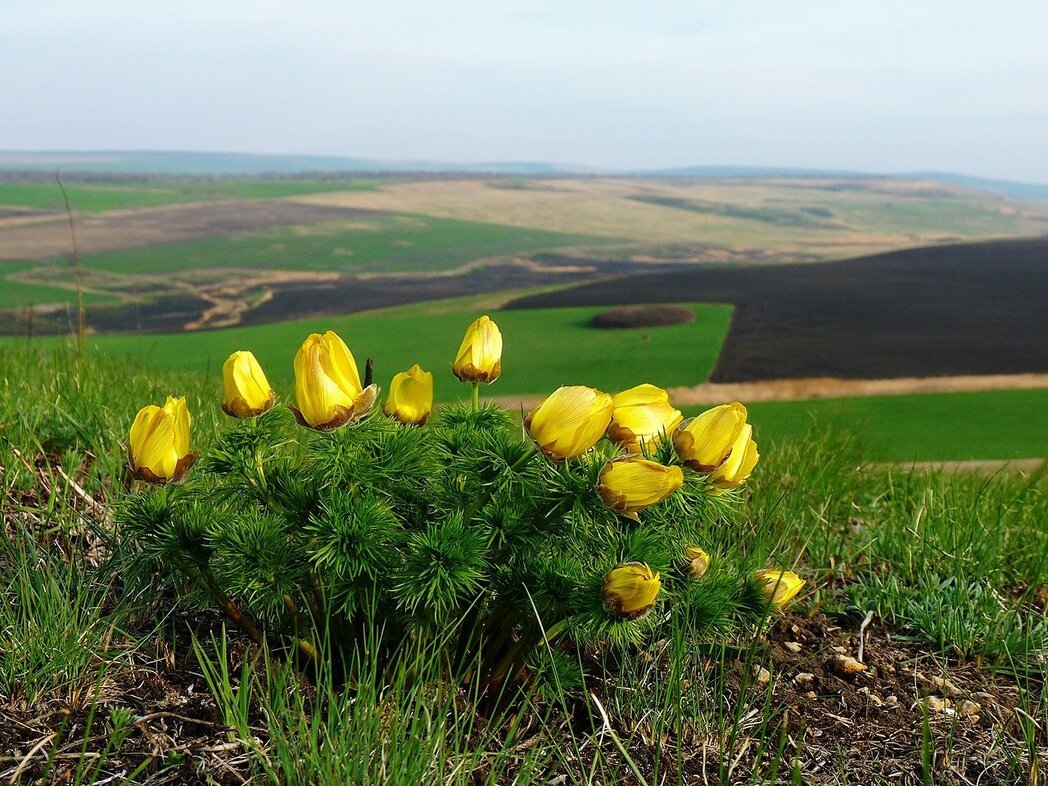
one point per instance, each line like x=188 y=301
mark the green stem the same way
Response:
x=303 y=642
x=229 y=607
x=476 y=396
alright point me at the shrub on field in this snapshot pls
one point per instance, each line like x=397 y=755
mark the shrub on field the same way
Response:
x=463 y=534
x=649 y=315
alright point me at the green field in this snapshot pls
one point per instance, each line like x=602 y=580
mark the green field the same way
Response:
x=374 y=243
x=543 y=349
x=100 y=197
x=1000 y=424
x=16 y=294
x=380 y=243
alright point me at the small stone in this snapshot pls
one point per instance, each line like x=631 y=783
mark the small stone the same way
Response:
x=793 y=646
x=795 y=629
x=891 y=701
x=839 y=649
x=804 y=679
x=872 y=697
x=945 y=687
x=936 y=704
x=761 y=675
x=810 y=694
x=968 y=709
x=846 y=666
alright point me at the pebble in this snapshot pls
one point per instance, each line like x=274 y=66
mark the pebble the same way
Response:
x=846 y=666
x=793 y=646
x=761 y=674
x=804 y=679
x=872 y=697
x=945 y=686
x=937 y=704
x=968 y=709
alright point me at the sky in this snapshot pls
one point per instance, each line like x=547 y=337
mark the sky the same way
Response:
x=881 y=86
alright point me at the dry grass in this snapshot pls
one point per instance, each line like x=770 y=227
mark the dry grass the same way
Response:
x=846 y=217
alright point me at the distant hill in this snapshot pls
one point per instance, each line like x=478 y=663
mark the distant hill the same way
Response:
x=1037 y=192
x=204 y=164
x=187 y=163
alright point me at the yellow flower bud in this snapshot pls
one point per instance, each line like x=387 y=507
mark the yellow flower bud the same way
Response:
x=629 y=590
x=780 y=585
x=719 y=442
x=630 y=484
x=479 y=358
x=327 y=385
x=698 y=561
x=410 y=396
x=642 y=415
x=247 y=392
x=570 y=421
x=158 y=450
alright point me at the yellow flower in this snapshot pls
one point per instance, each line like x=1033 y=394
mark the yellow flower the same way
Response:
x=327 y=385
x=247 y=391
x=570 y=421
x=780 y=585
x=629 y=590
x=698 y=561
x=479 y=358
x=642 y=415
x=630 y=484
x=158 y=450
x=410 y=396
x=719 y=442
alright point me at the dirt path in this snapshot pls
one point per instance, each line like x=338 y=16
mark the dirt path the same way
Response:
x=831 y=387
x=827 y=387
x=978 y=467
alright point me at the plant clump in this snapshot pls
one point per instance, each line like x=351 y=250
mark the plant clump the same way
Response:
x=644 y=315
x=469 y=533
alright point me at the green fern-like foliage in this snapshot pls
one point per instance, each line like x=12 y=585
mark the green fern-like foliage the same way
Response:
x=460 y=533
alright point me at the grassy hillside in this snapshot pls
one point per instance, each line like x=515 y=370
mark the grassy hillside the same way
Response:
x=97 y=197
x=373 y=243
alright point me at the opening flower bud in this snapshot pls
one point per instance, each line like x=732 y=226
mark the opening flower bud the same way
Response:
x=158 y=449
x=410 y=396
x=631 y=484
x=630 y=590
x=479 y=358
x=570 y=421
x=719 y=443
x=642 y=415
x=780 y=585
x=327 y=384
x=246 y=390
x=698 y=561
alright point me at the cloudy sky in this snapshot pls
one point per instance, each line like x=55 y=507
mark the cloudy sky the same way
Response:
x=878 y=86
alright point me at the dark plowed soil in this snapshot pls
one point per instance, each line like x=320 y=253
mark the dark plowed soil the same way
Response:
x=979 y=308
x=352 y=294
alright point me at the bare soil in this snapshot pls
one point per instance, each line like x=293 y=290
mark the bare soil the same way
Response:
x=910 y=717
x=937 y=311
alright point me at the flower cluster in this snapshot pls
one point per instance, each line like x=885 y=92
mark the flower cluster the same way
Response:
x=383 y=519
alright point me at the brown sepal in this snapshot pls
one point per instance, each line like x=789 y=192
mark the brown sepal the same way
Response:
x=238 y=408
x=362 y=405
x=181 y=468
